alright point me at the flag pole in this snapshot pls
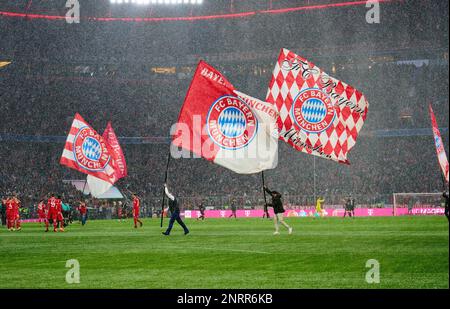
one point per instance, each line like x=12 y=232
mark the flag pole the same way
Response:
x=314 y=176
x=85 y=182
x=444 y=182
x=164 y=193
x=264 y=192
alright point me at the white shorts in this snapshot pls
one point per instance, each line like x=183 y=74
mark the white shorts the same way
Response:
x=279 y=216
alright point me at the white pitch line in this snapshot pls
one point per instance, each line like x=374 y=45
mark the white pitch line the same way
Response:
x=226 y=249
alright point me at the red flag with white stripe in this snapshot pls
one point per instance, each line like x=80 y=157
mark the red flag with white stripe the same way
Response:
x=96 y=185
x=319 y=114
x=87 y=151
x=442 y=156
x=111 y=139
x=225 y=126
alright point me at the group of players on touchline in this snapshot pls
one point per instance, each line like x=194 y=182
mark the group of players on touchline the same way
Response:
x=51 y=211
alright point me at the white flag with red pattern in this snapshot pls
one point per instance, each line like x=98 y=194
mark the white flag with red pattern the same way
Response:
x=318 y=114
x=87 y=151
x=442 y=156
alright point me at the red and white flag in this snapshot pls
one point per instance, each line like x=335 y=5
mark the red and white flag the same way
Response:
x=87 y=151
x=98 y=186
x=442 y=157
x=225 y=126
x=319 y=114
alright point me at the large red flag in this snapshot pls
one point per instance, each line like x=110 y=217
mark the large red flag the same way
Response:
x=111 y=139
x=319 y=114
x=96 y=185
x=87 y=151
x=225 y=126
x=442 y=157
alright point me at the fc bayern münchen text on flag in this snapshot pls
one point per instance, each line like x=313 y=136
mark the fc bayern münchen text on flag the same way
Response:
x=227 y=127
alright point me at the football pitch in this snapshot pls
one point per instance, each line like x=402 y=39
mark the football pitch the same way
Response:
x=412 y=252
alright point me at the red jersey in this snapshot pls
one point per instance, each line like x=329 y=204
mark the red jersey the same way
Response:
x=136 y=205
x=9 y=206
x=41 y=208
x=16 y=204
x=58 y=205
x=52 y=205
x=82 y=209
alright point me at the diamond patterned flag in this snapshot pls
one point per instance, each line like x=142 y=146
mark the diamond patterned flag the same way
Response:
x=318 y=114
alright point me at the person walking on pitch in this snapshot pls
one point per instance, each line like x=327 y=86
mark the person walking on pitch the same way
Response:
x=82 y=208
x=352 y=205
x=233 y=208
x=175 y=213
x=278 y=210
x=201 y=208
x=136 y=206
x=319 y=210
x=347 y=208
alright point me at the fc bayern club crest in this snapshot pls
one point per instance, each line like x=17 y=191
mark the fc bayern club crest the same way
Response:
x=89 y=152
x=437 y=140
x=313 y=111
x=231 y=123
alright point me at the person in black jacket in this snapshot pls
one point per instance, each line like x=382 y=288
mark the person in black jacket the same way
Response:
x=175 y=213
x=445 y=195
x=278 y=210
x=3 y=211
x=233 y=208
x=348 y=208
x=201 y=208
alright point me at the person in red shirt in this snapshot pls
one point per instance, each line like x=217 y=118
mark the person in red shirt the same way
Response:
x=59 y=215
x=9 y=213
x=83 y=212
x=16 y=216
x=136 y=206
x=41 y=209
x=52 y=212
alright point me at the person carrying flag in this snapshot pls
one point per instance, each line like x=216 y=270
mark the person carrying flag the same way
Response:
x=136 y=206
x=175 y=213
x=83 y=212
x=278 y=210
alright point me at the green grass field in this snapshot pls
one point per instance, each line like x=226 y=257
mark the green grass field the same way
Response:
x=227 y=253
